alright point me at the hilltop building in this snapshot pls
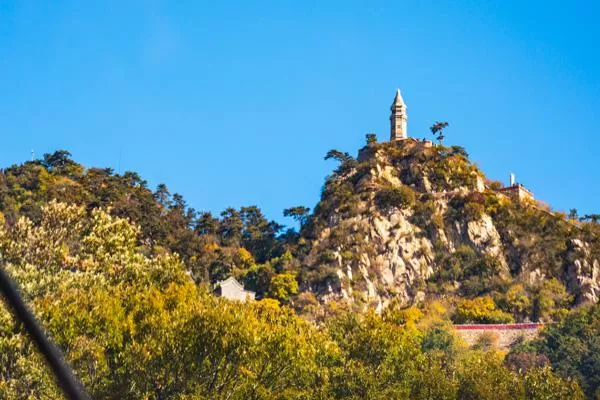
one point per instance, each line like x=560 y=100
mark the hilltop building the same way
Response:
x=231 y=289
x=398 y=132
x=516 y=191
x=398 y=118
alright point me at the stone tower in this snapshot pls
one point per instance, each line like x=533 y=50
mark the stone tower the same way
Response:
x=398 y=118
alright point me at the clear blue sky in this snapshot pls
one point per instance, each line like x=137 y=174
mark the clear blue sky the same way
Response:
x=235 y=104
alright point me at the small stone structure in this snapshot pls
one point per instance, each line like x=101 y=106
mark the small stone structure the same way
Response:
x=518 y=193
x=506 y=334
x=231 y=289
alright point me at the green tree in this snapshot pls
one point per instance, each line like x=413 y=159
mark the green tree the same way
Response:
x=338 y=156
x=162 y=195
x=550 y=300
x=371 y=138
x=517 y=301
x=347 y=162
x=231 y=227
x=573 y=214
x=434 y=379
x=259 y=235
x=380 y=359
x=481 y=375
x=299 y=213
x=573 y=348
x=283 y=286
x=58 y=161
x=206 y=224
x=591 y=217
x=542 y=384
x=258 y=278
x=438 y=129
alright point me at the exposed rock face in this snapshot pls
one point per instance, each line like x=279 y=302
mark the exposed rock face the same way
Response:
x=484 y=237
x=392 y=221
x=583 y=273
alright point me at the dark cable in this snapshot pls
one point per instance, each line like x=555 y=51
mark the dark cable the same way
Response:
x=66 y=380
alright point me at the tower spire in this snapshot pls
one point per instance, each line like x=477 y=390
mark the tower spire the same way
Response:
x=398 y=118
x=398 y=99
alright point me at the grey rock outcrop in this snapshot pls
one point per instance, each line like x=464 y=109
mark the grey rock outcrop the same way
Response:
x=386 y=226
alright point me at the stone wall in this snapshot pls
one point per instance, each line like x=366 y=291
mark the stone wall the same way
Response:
x=504 y=334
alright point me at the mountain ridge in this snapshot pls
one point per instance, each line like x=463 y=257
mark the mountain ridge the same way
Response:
x=403 y=222
x=418 y=204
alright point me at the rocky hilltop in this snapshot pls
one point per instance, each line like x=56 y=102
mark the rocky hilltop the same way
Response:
x=408 y=220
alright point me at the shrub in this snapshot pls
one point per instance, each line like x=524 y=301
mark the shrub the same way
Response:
x=524 y=361
x=517 y=301
x=283 y=286
x=395 y=315
x=480 y=309
x=459 y=150
x=473 y=211
x=400 y=197
x=244 y=258
x=492 y=203
x=307 y=305
x=327 y=256
x=495 y=185
x=550 y=300
x=487 y=341
x=425 y=212
x=438 y=338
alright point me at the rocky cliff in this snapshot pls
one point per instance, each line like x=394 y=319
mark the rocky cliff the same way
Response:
x=409 y=220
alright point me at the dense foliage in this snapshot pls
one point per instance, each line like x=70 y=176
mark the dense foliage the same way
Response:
x=136 y=326
x=572 y=347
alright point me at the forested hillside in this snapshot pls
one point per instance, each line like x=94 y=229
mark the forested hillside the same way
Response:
x=212 y=248
x=359 y=303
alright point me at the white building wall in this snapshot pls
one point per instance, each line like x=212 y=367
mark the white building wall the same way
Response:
x=230 y=290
